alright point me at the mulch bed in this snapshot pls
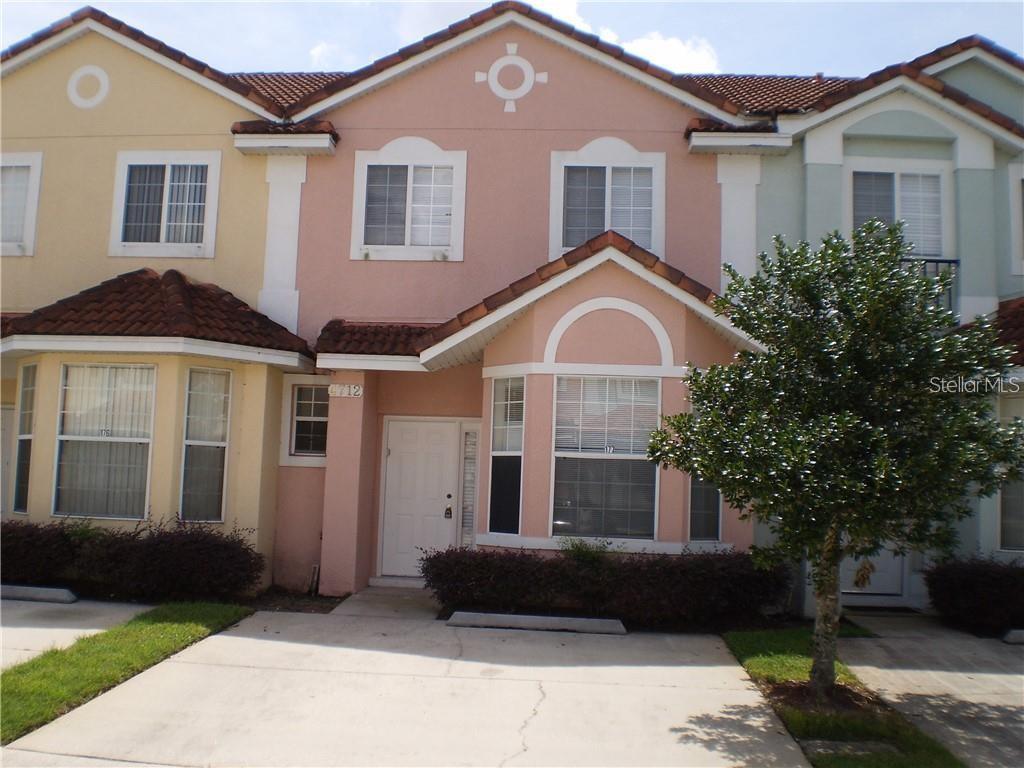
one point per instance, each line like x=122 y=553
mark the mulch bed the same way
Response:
x=843 y=698
x=277 y=599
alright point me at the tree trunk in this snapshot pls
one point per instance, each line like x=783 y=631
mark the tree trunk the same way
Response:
x=826 y=619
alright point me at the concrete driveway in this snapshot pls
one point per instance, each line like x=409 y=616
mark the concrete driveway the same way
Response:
x=965 y=691
x=29 y=628
x=285 y=689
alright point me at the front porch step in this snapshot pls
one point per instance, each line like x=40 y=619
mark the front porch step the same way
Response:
x=408 y=582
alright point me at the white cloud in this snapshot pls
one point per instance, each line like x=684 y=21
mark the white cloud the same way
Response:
x=323 y=55
x=566 y=10
x=694 y=54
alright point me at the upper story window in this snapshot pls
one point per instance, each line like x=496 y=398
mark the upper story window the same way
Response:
x=605 y=185
x=165 y=204
x=19 y=200
x=409 y=202
x=916 y=198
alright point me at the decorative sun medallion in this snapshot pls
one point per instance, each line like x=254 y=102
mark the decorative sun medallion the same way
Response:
x=101 y=86
x=511 y=59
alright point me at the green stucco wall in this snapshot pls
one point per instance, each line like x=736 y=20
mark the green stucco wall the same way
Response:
x=987 y=85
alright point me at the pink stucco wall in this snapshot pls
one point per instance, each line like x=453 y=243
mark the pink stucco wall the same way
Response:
x=508 y=179
x=300 y=503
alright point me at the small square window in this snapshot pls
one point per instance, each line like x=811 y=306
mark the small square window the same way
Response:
x=309 y=420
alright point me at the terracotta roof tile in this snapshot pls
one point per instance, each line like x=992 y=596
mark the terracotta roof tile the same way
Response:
x=766 y=94
x=347 y=338
x=1010 y=326
x=146 y=303
x=286 y=88
x=269 y=127
x=343 y=337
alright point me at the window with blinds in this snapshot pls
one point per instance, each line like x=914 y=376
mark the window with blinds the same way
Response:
x=164 y=203
x=402 y=213
x=598 y=198
x=207 y=409
x=309 y=420
x=14 y=183
x=26 y=427
x=604 y=485
x=103 y=441
x=914 y=198
x=705 y=511
x=1011 y=495
x=508 y=413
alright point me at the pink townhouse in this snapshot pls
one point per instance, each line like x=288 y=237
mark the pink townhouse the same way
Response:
x=491 y=355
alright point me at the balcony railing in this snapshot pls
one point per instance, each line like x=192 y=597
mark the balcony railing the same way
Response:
x=933 y=268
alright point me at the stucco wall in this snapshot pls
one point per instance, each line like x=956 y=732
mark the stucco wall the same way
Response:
x=508 y=179
x=148 y=108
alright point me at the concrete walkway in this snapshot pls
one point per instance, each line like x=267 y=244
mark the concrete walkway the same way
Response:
x=30 y=628
x=965 y=691
x=285 y=689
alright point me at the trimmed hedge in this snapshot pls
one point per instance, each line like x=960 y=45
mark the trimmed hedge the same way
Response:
x=690 y=591
x=151 y=562
x=982 y=595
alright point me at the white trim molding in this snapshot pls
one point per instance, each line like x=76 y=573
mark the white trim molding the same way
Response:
x=203 y=250
x=285 y=144
x=994 y=62
x=288 y=384
x=649 y=546
x=642 y=314
x=588 y=369
x=409 y=151
x=279 y=298
x=738 y=178
x=34 y=162
x=89 y=25
x=22 y=344
x=1015 y=171
x=740 y=143
x=341 y=362
x=609 y=152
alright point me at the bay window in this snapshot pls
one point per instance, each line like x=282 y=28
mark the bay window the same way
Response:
x=103 y=441
x=207 y=407
x=604 y=484
x=507 y=420
x=23 y=452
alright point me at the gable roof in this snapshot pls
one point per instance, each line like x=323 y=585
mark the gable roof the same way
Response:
x=146 y=303
x=474 y=326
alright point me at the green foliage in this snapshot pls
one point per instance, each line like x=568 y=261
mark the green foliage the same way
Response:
x=982 y=595
x=836 y=426
x=43 y=688
x=782 y=655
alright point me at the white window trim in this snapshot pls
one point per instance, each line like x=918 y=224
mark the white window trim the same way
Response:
x=18 y=436
x=203 y=250
x=491 y=453
x=1016 y=173
x=149 y=441
x=897 y=166
x=409 y=150
x=557 y=454
x=289 y=383
x=689 y=517
x=34 y=161
x=225 y=444
x=609 y=152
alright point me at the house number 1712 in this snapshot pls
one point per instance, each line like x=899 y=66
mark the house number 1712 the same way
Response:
x=345 y=390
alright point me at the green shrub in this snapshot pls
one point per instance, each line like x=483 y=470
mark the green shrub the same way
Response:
x=690 y=591
x=982 y=595
x=150 y=562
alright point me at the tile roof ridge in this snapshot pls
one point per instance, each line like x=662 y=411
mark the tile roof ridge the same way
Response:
x=175 y=292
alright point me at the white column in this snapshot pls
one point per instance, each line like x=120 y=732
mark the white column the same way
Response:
x=738 y=176
x=279 y=299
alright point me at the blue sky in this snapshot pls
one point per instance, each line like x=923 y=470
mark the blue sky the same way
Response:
x=841 y=38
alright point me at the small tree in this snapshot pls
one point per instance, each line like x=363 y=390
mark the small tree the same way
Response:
x=845 y=435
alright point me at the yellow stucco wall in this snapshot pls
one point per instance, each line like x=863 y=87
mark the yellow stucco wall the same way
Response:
x=148 y=108
x=252 y=442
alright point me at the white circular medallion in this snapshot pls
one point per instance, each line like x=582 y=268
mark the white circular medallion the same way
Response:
x=84 y=73
x=510 y=94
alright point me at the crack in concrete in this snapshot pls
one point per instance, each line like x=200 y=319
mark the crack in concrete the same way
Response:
x=524 y=748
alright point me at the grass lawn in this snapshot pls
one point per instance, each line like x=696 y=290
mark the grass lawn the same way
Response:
x=43 y=688
x=778 y=660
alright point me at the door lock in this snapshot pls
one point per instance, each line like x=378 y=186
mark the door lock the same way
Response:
x=448 y=509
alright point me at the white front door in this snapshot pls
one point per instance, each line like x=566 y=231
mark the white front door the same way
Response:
x=420 y=493
x=887 y=578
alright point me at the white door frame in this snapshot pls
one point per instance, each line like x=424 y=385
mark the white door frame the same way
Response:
x=462 y=422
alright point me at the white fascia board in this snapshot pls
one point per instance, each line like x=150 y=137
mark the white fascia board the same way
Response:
x=341 y=362
x=90 y=25
x=277 y=144
x=803 y=123
x=657 y=84
x=752 y=142
x=157 y=345
x=977 y=53
x=706 y=313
